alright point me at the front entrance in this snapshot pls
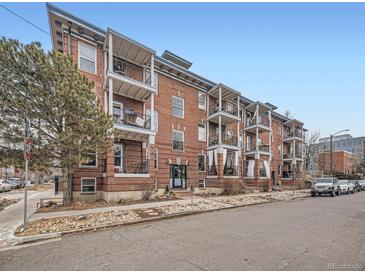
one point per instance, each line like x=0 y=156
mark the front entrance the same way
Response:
x=178 y=176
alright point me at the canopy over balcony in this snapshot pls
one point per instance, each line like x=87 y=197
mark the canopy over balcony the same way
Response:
x=228 y=94
x=294 y=123
x=261 y=107
x=128 y=49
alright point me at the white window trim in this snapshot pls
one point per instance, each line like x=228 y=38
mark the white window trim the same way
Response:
x=96 y=162
x=87 y=178
x=156 y=159
x=205 y=162
x=87 y=58
x=204 y=184
x=183 y=134
x=183 y=107
x=201 y=107
x=205 y=130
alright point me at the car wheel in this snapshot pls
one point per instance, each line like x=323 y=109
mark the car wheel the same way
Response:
x=338 y=193
x=333 y=193
x=313 y=194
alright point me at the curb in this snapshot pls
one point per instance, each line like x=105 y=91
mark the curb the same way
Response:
x=41 y=237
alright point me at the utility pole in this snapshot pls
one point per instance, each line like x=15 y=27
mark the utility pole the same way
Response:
x=331 y=151
x=27 y=157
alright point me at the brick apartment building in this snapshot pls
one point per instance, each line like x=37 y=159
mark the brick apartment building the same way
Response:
x=342 y=161
x=176 y=129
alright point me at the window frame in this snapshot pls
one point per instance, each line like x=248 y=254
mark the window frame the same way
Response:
x=86 y=57
x=203 y=184
x=205 y=162
x=81 y=185
x=202 y=107
x=155 y=162
x=183 y=107
x=205 y=132
x=89 y=166
x=183 y=141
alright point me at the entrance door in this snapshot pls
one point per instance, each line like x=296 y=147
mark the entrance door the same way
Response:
x=178 y=175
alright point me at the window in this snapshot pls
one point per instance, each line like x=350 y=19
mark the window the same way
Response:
x=202 y=133
x=88 y=185
x=177 y=140
x=201 y=162
x=155 y=124
x=202 y=183
x=156 y=159
x=87 y=58
x=279 y=150
x=177 y=107
x=88 y=159
x=202 y=99
x=229 y=107
x=279 y=169
x=118 y=158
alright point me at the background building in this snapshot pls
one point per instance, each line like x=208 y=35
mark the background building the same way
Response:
x=342 y=162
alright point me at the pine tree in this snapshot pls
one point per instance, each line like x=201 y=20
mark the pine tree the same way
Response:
x=66 y=121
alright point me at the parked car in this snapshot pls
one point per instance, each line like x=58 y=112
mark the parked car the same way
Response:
x=357 y=186
x=15 y=182
x=325 y=186
x=351 y=186
x=4 y=186
x=362 y=184
x=345 y=187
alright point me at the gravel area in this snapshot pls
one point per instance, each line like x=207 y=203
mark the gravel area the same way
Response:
x=124 y=216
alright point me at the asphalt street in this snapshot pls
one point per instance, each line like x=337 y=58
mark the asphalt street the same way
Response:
x=321 y=233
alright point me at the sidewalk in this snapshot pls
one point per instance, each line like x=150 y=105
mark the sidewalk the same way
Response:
x=224 y=201
x=49 y=225
x=12 y=217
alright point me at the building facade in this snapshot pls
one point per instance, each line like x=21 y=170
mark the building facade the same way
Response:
x=175 y=130
x=342 y=162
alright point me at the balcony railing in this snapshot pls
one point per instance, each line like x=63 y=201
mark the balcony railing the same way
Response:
x=292 y=134
x=132 y=118
x=230 y=171
x=121 y=67
x=226 y=140
x=264 y=148
x=291 y=155
x=131 y=165
x=231 y=109
x=263 y=121
x=212 y=170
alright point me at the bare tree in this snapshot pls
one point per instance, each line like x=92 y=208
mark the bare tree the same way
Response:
x=311 y=153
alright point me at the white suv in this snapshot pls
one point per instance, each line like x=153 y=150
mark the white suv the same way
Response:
x=346 y=186
x=325 y=186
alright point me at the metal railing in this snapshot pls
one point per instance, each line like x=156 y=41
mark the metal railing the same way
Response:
x=232 y=109
x=292 y=134
x=264 y=148
x=212 y=170
x=263 y=121
x=230 y=171
x=121 y=67
x=131 y=165
x=227 y=140
x=132 y=118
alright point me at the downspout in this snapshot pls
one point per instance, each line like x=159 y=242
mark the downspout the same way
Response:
x=69 y=38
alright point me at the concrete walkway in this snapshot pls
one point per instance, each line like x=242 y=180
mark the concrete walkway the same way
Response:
x=12 y=217
x=184 y=200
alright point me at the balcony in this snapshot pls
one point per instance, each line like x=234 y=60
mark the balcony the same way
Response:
x=223 y=102
x=290 y=156
x=230 y=171
x=293 y=135
x=226 y=140
x=131 y=165
x=262 y=122
x=125 y=63
x=131 y=124
x=262 y=149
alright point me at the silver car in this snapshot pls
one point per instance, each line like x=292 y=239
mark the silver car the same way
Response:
x=346 y=186
x=325 y=186
x=4 y=186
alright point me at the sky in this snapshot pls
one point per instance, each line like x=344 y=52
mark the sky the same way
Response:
x=306 y=58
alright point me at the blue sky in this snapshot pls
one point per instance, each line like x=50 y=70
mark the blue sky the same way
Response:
x=308 y=58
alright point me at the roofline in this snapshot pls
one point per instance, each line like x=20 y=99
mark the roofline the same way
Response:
x=226 y=87
x=68 y=16
x=183 y=70
x=177 y=57
x=109 y=30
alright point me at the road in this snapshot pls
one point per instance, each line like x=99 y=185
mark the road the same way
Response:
x=321 y=233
